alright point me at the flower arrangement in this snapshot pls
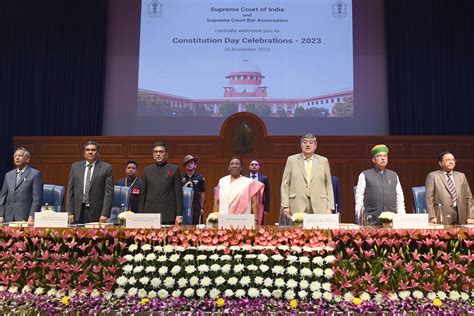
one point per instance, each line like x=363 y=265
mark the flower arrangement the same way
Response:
x=123 y=216
x=297 y=218
x=213 y=217
x=386 y=217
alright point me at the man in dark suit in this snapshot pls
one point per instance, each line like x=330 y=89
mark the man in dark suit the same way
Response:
x=254 y=168
x=90 y=190
x=22 y=192
x=132 y=181
x=161 y=188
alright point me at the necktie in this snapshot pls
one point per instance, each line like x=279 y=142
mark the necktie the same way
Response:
x=253 y=176
x=309 y=171
x=452 y=187
x=85 y=199
x=18 y=177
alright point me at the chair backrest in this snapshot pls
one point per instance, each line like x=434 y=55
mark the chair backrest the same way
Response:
x=188 y=194
x=419 y=199
x=121 y=196
x=336 y=188
x=54 y=196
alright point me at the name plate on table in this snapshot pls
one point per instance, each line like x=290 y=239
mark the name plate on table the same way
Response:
x=236 y=221
x=143 y=220
x=410 y=221
x=323 y=221
x=51 y=219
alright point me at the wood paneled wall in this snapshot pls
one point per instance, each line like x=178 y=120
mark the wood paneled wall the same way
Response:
x=412 y=157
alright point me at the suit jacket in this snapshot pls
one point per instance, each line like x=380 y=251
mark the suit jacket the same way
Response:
x=337 y=194
x=294 y=192
x=266 y=191
x=134 y=192
x=437 y=195
x=101 y=194
x=162 y=192
x=18 y=202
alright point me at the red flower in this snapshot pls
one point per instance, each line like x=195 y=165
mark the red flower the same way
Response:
x=169 y=173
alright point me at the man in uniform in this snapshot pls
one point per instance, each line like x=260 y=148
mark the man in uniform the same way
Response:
x=195 y=181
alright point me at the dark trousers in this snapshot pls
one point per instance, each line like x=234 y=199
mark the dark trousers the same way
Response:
x=87 y=216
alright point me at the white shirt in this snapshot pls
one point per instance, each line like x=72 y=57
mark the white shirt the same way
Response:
x=85 y=174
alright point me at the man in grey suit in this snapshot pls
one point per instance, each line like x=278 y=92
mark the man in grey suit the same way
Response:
x=254 y=168
x=307 y=185
x=161 y=188
x=22 y=191
x=90 y=190
x=448 y=197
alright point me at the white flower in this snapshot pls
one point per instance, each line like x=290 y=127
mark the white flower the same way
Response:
x=138 y=269
x=328 y=296
x=306 y=273
x=308 y=249
x=245 y=281
x=441 y=295
x=263 y=267
x=266 y=293
x=180 y=248
x=464 y=296
x=262 y=257
x=240 y=293
x=226 y=268
x=302 y=294
x=304 y=259
x=277 y=257
x=238 y=268
x=132 y=247
x=189 y=292
x=162 y=258
x=158 y=248
x=291 y=270
x=232 y=281
x=144 y=280
x=364 y=296
x=13 y=289
x=129 y=257
x=214 y=257
x=258 y=280
x=327 y=286
x=146 y=247
x=119 y=292
x=174 y=257
x=283 y=247
x=188 y=257
x=252 y=267
x=189 y=269
x=219 y=280
x=348 y=297
x=142 y=293
x=268 y=282
x=167 y=248
x=379 y=298
x=246 y=247
x=132 y=280
x=292 y=259
x=316 y=295
x=214 y=293
x=193 y=280
x=291 y=283
x=215 y=267
x=337 y=298
x=393 y=297
x=127 y=268
x=73 y=293
x=251 y=256
x=206 y=281
x=203 y=268
x=279 y=282
x=221 y=248
x=304 y=284
x=290 y=294
x=315 y=286
x=121 y=280
x=404 y=294
x=253 y=292
x=163 y=293
x=201 y=292
x=277 y=293
x=296 y=249
x=27 y=289
x=225 y=257
x=417 y=294
x=328 y=273
x=150 y=269
x=318 y=260
x=150 y=257
x=201 y=257
x=234 y=248
x=163 y=270
x=229 y=293
x=155 y=283
x=175 y=270
x=151 y=294
x=431 y=296
x=182 y=282
x=330 y=259
x=176 y=293
x=278 y=270
x=168 y=282
x=318 y=272
x=132 y=291
x=138 y=257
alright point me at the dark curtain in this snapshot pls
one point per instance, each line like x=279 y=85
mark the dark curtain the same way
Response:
x=52 y=69
x=430 y=66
